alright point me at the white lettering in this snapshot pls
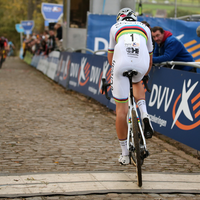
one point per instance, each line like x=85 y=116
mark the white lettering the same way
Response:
x=160 y=100
x=93 y=90
x=95 y=73
x=73 y=83
x=96 y=44
x=159 y=96
x=167 y=102
x=47 y=9
x=154 y=90
x=74 y=70
x=65 y=66
x=157 y=120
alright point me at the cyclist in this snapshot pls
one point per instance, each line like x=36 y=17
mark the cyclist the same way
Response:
x=130 y=47
x=3 y=49
x=11 y=48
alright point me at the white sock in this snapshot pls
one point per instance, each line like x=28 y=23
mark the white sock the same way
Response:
x=123 y=144
x=142 y=107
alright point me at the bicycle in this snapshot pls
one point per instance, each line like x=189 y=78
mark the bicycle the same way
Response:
x=2 y=57
x=136 y=143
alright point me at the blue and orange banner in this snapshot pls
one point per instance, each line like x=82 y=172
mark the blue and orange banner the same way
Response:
x=85 y=75
x=174 y=104
x=63 y=69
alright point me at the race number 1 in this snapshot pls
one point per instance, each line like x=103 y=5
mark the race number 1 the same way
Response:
x=132 y=40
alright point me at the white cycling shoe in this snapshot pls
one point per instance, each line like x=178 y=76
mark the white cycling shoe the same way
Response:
x=124 y=160
x=148 y=129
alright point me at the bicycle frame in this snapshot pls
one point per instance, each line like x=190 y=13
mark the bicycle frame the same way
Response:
x=132 y=105
x=137 y=146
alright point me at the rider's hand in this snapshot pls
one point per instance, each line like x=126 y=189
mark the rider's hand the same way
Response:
x=146 y=78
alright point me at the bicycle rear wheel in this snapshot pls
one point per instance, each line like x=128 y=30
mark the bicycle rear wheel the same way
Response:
x=137 y=148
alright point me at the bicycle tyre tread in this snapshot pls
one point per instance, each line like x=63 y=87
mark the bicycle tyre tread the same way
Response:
x=137 y=148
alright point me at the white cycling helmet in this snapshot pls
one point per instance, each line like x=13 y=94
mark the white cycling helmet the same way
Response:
x=126 y=14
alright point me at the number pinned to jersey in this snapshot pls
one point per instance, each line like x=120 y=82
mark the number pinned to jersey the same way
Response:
x=132 y=40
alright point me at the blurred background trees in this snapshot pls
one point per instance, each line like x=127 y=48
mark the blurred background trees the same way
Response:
x=14 y=11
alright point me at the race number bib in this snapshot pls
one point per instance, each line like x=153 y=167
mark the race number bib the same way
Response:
x=132 y=40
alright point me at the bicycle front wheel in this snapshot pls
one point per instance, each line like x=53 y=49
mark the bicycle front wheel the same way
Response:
x=137 y=148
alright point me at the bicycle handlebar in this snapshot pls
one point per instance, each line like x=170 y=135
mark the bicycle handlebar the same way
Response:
x=104 y=88
x=145 y=80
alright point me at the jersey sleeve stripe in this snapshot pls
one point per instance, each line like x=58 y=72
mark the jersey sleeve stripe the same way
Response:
x=121 y=100
x=110 y=50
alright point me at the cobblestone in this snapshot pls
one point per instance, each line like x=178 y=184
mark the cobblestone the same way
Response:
x=45 y=128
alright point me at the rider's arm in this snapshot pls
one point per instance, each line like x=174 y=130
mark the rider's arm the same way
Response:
x=150 y=64
x=110 y=57
x=150 y=49
x=111 y=46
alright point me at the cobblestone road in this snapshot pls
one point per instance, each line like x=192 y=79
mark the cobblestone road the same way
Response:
x=45 y=128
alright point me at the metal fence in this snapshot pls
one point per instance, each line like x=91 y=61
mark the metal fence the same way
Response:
x=178 y=2
x=173 y=63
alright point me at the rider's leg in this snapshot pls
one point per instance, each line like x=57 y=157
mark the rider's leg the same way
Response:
x=139 y=94
x=121 y=129
x=121 y=120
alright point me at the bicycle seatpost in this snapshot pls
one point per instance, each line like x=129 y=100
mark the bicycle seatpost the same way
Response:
x=129 y=74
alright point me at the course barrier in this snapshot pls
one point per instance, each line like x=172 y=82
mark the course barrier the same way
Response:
x=173 y=104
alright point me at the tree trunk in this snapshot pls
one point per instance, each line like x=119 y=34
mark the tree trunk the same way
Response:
x=30 y=10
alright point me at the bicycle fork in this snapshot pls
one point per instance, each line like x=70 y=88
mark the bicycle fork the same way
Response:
x=130 y=134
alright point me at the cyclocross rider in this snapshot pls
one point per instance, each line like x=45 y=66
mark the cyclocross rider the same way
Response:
x=130 y=47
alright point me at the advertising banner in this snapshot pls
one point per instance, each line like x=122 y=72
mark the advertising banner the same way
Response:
x=35 y=60
x=63 y=69
x=99 y=28
x=43 y=64
x=173 y=104
x=27 y=26
x=19 y=28
x=52 y=12
x=99 y=67
x=85 y=75
x=98 y=31
x=52 y=64
x=79 y=73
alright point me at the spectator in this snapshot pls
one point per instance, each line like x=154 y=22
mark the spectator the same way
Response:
x=58 y=29
x=51 y=44
x=46 y=33
x=146 y=23
x=11 y=47
x=169 y=48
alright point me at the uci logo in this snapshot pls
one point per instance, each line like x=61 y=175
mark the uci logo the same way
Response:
x=84 y=72
x=187 y=107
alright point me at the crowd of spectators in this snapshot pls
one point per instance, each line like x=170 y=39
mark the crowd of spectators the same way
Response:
x=42 y=44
